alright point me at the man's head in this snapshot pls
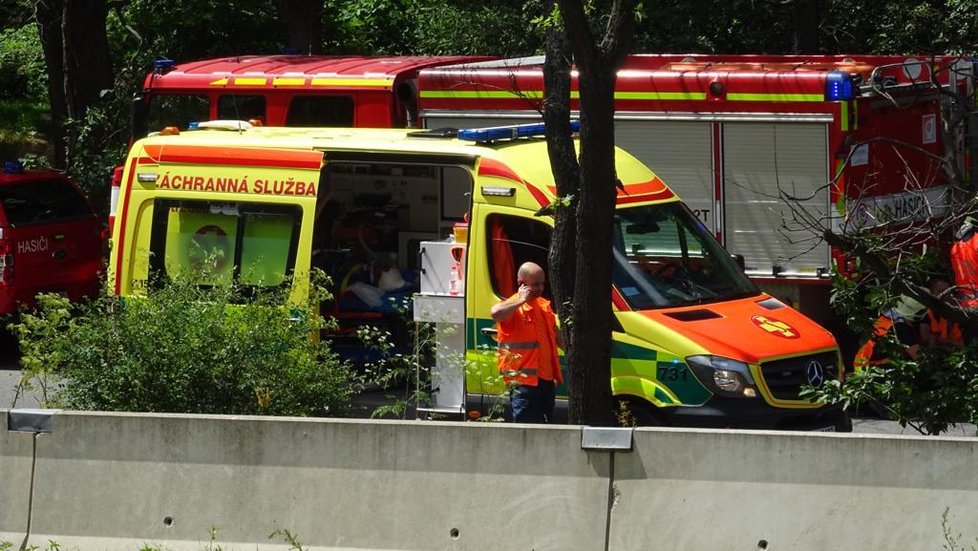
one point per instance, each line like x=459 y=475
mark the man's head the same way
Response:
x=938 y=285
x=531 y=275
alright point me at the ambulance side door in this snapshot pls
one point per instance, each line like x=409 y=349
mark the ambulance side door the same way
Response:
x=500 y=239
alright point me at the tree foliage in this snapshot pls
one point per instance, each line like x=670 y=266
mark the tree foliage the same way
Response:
x=139 y=31
x=184 y=349
x=898 y=255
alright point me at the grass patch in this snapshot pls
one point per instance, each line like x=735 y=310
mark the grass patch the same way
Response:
x=25 y=130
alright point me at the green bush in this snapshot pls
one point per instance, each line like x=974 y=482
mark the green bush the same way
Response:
x=184 y=349
x=22 y=70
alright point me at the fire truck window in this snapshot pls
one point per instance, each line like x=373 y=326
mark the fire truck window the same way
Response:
x=220 y=243
x=320 y=111
x=241 y=108
x=514 y=240
x=176 y=110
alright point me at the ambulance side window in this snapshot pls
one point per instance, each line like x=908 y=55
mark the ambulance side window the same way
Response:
x=513 y=240
x=218 y=243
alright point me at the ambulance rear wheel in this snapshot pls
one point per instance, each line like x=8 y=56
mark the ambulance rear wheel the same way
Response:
x=637 y=412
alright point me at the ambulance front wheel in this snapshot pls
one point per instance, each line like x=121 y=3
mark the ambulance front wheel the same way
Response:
x=637 y=412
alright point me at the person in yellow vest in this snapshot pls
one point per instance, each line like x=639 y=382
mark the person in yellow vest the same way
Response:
x=901 y=320
x=938 y=331
x=528 y=343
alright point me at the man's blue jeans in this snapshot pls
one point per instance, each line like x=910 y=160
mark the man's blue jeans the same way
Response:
x=533 y=404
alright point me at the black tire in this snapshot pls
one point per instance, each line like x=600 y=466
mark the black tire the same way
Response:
x=843 y=423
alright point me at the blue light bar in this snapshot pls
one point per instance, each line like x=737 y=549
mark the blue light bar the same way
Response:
x=512 y=132
x=839 y=86
x=13 y=167
x=193 y=125
x=161 y=66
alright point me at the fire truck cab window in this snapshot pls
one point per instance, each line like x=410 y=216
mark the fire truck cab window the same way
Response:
x=176 y=110
x=241 y=108
x=313 y=111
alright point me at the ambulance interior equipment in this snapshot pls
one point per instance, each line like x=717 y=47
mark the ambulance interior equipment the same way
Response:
x=372 y=218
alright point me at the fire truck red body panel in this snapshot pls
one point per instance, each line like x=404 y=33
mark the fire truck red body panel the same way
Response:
x=737 y=135
x=372 y=83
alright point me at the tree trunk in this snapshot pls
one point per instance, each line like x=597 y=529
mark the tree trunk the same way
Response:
x=589 y=356
x=87 y=60
x=48 y=14
x=807 y=17
x=303 y=18
x=590 y=381
x=563 y=163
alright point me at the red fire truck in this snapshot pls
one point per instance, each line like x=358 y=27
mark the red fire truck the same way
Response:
x=736 y=135
x=281 y=90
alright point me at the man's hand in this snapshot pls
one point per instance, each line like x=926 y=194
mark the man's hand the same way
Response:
x=501 y=311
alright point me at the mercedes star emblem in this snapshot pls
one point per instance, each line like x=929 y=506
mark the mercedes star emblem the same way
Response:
x=816 y=375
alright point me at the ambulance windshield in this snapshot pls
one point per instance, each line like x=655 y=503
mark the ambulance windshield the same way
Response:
x=665 y=257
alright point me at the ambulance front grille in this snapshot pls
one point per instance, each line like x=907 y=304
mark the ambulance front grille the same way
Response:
x=785 y=378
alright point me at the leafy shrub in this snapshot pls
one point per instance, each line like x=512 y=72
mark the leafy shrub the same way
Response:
x=22 y=69
x=184 y=349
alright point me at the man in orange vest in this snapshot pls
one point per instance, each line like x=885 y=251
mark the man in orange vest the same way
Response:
x=901 y=320
x=938 y=331
x=528 y=342
x=964 y=262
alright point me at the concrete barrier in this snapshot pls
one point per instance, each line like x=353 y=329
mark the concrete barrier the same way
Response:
x=119 y=481
x=798 y=491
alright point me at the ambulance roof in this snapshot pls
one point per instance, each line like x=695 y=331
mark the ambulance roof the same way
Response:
x=524 y=161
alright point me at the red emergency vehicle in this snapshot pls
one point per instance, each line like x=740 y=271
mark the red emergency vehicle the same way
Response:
x=50 y=238
x=734 y=134
x=281 y=90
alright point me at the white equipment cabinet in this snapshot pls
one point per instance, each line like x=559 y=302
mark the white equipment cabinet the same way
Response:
x=442 y=302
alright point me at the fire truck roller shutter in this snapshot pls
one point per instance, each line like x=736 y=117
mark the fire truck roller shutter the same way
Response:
x=759 y=161
x=680 y=153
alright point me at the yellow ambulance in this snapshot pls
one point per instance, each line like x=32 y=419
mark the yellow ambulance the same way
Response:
x=696 y=344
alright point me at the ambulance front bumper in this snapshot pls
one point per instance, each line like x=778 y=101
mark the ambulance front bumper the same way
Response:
x=720 y=412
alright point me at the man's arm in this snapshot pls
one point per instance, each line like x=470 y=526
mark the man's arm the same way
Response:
x=501 y=311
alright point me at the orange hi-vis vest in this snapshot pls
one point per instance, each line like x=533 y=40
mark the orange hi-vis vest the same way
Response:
x=864 y=356
x=943 y=330
x=964 y=261
x=528 y=344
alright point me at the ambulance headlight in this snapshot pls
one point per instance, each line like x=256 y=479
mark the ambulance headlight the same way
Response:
x=724 y=376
